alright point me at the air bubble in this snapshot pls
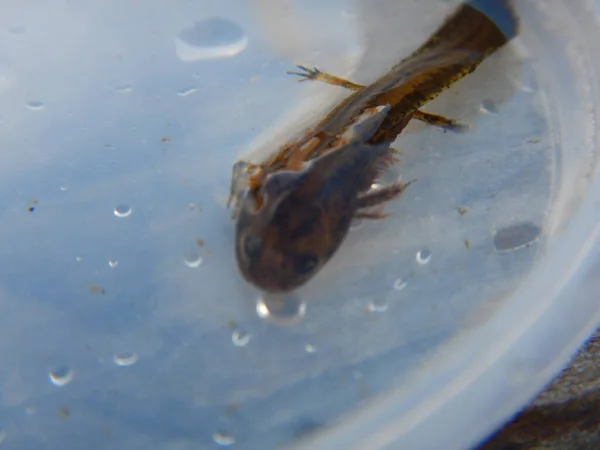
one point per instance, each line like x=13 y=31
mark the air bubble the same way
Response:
x=125 y=359
x=423 y=256
x=187 y=92
x=309 y=348
x=35 y=105
x=61 y=376
x=112 y=263
x=378 y=305
x=210 y=38
x=122 y=211
x=281 y=310
x=399 y=284
x=193 y=260
x=223 y=439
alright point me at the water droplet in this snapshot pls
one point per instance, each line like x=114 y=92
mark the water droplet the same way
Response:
x=399 y=284
x=78 y=258
x=125 y=359
x=64 y=188
x=309 y=348
x=423 y=256
x=187 y=92
x=281 y=309
x=193 y=260
x=210 y=38
x=35 y=105
x=378 y=305
x=122 y=211
x=488 y=107
x=61 y=376
x=113 y=263
x=17 y=30
x=223 y=439
x=124 y=88
x=240 y=338
x=516 y=236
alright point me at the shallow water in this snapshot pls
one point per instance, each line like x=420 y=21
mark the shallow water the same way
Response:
x=124 y=321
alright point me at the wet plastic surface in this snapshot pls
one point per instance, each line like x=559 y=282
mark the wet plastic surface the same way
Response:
x=124 y=323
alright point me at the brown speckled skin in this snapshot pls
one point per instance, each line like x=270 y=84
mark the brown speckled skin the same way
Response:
x=307 y=213
x=293 y=212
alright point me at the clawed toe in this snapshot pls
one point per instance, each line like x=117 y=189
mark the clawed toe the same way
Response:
x=306 y=73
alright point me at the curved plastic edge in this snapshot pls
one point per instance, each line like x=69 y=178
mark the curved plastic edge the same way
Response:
x=483 y=376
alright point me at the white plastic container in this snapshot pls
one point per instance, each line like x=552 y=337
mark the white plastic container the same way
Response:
x=123 y=320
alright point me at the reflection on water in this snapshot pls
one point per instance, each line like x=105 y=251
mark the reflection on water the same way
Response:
x=281 y=309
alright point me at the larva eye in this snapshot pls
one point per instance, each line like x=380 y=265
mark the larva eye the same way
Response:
x=252 y=246
x=305 y=263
